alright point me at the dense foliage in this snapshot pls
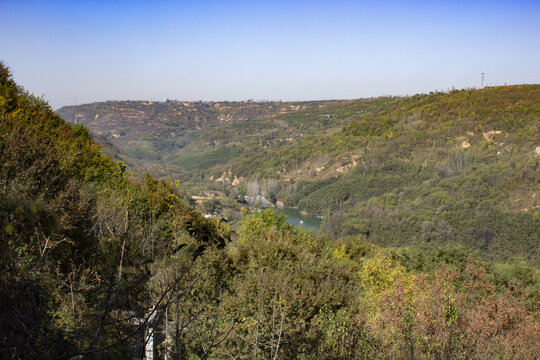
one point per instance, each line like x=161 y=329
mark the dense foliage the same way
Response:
x=79 y=243
x=280 y=292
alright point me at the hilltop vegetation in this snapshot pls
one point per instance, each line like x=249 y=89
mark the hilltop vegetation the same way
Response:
x=92 y=260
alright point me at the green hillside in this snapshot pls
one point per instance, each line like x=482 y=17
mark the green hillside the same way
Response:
x=81 y=245
x=459 y=167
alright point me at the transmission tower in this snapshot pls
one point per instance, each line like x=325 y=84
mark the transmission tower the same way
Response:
x=482 y=81
x=74 y=105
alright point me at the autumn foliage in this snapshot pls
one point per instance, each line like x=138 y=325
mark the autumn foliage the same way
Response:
x=447 y=315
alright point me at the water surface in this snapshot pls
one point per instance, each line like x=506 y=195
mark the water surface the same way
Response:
x=294 y=218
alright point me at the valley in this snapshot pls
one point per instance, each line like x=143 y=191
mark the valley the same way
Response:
x=459 y=167
x=429 y=239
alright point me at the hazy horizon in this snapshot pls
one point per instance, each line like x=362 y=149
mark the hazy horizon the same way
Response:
x=85 y=52
x=77 y=103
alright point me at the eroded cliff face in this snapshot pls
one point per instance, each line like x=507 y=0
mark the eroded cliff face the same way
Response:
x=133 y=119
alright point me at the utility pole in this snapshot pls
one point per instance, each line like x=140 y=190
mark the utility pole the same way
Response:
x=74 y=105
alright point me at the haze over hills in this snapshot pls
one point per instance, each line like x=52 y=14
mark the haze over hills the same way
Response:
x=458 y=167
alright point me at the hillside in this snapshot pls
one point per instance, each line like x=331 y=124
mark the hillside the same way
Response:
x=81 y=246
x=457 y=167
x=165 y=137
x=461 y=167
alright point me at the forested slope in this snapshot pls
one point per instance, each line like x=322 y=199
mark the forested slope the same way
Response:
x=461 y=167
x=80 y=245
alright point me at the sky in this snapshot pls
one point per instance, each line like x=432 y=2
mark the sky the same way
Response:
x=74 y=52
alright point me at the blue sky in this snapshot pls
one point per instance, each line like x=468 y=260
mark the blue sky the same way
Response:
x=86 y=51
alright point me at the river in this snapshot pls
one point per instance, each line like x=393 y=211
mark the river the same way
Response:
x=296 y=219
